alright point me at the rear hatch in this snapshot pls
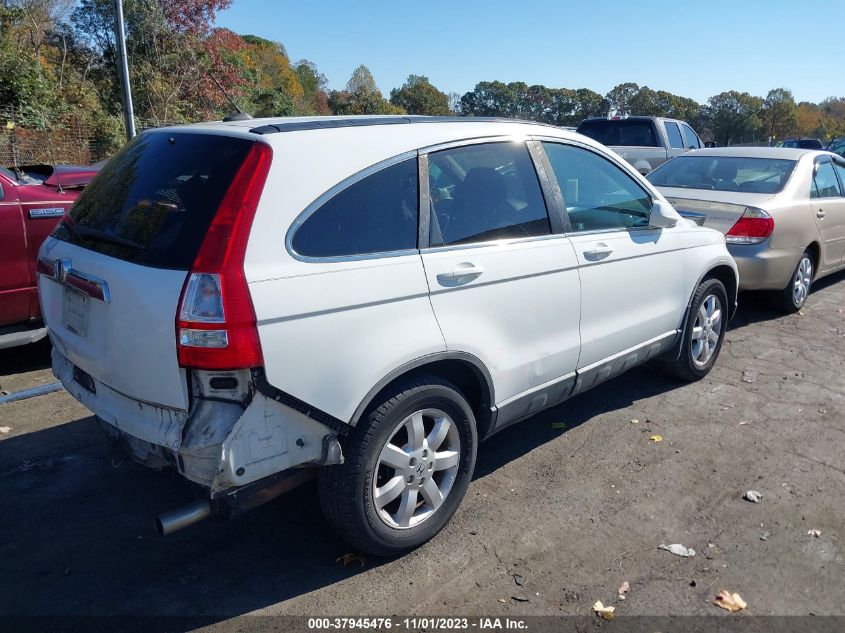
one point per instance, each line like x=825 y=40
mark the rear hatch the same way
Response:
x=113 y=272
x=718 y=210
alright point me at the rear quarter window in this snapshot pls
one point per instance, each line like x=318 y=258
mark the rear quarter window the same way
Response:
x=376 y=214
x=153 y=202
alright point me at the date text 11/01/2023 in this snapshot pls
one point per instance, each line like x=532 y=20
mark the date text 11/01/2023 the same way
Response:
x=416 y=623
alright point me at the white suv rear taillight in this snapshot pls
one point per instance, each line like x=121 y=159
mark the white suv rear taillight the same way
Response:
x=215 y=323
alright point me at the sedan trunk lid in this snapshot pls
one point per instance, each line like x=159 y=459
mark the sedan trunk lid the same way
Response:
x=718 y=210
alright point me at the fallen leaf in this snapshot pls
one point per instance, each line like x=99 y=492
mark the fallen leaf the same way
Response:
x=559 y=425
x=603 y=611
x=635 y=421
x=753 y=496
x=730 y=601
x=623 y=589
x=346 y=559
x=502 y=600
x=656 y=438
x=816 y=533
x=678 y=550
x=5 y=429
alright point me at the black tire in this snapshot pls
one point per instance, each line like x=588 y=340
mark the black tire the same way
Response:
x=346 y=490
x=685 y=366
x=786 y=300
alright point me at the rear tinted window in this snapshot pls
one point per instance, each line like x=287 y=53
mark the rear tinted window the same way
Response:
x=622 y=132
x=376 y=214
x=724 y=173
x=153 y=202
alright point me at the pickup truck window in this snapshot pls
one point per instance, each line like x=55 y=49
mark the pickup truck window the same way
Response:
x=625 y=132
x=674 y=134
x=691 y=137
x=598 y=195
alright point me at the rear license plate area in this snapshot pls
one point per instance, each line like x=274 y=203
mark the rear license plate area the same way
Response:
x=75 y=312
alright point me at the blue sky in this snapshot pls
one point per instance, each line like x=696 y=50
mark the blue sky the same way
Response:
x=691 y=49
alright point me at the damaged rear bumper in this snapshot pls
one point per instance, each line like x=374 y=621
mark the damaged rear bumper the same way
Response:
x=220 y=444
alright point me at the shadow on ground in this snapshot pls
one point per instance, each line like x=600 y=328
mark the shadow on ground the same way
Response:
x=25 y=358
x=757 y=307
x=78 y=532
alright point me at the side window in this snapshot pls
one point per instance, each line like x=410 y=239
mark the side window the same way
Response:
x=825 y=184
x=840 y=170
x=674 y=135
x=598 y=194
x=376 y=214
x=484 y=192
x=690 y=137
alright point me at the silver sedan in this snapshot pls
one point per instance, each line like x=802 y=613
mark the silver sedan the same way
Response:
x=782 y=212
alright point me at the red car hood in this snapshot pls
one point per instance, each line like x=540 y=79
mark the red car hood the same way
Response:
x=71 y=176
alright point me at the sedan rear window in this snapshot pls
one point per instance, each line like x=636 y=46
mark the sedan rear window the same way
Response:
x=625 y=132
x=153 y=202
x=724 y=173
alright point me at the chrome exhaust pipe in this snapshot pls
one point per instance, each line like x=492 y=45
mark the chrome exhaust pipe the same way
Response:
x=170 y=522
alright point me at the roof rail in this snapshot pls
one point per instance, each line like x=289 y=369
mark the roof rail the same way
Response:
x=365 y=121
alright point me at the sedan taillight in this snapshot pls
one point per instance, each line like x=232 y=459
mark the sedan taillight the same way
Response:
x=754 y=226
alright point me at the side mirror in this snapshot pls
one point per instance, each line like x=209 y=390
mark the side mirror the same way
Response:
x=662 y=215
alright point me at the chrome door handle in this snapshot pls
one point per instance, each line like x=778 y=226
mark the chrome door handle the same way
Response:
x=599 y=251
x=460 y=272
x=820 y=213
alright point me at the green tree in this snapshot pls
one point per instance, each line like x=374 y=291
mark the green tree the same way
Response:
x=361 y=96
x=620 y=96
x=313 y=85
x=590 y=103
x=779 y=113
x=418 y=96
x=362 y=81
x=733 y=116
x=645 y=102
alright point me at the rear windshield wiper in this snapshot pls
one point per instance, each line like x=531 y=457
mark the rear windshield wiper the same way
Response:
x=101 y=236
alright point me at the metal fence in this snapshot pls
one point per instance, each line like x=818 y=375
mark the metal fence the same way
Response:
x=59 y=139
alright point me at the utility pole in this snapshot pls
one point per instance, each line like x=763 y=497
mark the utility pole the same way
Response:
x=120 y=37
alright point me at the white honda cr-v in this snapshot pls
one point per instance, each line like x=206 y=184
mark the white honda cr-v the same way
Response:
x=252 y=302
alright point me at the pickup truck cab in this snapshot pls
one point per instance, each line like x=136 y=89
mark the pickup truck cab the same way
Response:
x=32 y=199
x=644 y=141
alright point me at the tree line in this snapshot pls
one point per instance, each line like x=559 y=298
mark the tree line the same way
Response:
x=59 y=57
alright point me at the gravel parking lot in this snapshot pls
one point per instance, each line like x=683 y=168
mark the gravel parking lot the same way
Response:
x=574 y=511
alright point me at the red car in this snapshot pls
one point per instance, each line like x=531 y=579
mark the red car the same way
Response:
x=32 y=200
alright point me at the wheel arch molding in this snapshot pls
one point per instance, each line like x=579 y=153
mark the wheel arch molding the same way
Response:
x=466 y=371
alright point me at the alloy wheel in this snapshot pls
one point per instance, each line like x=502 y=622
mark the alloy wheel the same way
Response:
x=802 y=280
x=706 y=330
x=416 y=468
